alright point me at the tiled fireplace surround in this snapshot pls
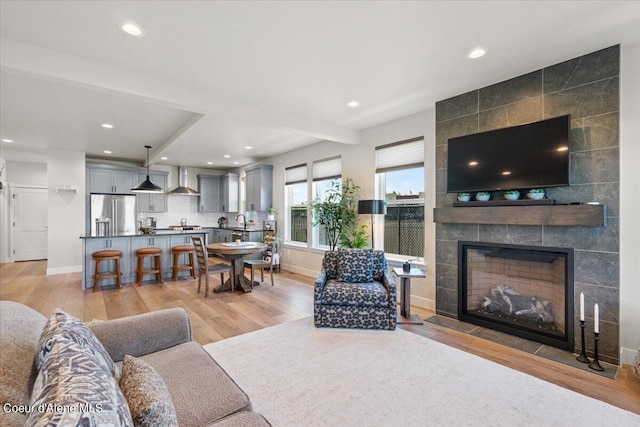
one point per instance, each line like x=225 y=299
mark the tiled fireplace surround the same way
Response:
x=586 y=87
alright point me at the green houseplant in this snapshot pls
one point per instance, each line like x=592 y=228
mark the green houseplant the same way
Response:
x=338 y=214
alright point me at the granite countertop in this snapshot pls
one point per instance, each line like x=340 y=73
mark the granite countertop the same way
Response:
x=166 y=232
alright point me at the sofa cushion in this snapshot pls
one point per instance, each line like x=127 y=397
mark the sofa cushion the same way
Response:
x=355 y=265
x=74 y=388
x=147 y=395
x=330 y=264
x=20 y=328
x=367 y=294
x=63 y=326
x=201 y=390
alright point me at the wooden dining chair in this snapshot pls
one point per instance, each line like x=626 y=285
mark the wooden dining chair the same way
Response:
x=207 y=266
x=266 y=261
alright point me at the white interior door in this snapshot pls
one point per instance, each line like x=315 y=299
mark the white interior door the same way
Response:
x=30 y=223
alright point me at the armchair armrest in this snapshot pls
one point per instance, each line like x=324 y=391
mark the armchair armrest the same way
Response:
x=389 y=283
x=318 y=286
x=143 y=333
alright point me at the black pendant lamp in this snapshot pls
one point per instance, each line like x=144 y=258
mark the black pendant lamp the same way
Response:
x=147 y=186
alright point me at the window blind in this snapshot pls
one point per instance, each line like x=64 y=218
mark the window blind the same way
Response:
x=295 y=174
x=327 y=168
x=400 y=155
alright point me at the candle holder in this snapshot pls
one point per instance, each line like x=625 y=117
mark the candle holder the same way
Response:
x=595 y=365
x=583 y=354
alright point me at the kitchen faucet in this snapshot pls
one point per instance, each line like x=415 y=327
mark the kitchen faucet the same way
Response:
x=244 y=218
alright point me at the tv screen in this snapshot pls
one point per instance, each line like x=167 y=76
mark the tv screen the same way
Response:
x=533 y=155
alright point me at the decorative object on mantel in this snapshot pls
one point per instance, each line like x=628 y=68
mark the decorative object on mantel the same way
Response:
x=512 y=194
x=483 y=196
x=464 y=197
x=536 y=193
x=595 y=364
x=583 y=354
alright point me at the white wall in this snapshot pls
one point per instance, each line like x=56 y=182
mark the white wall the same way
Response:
x=358 y=163
x=629 y=202
x=66 y=211
x=18 y=173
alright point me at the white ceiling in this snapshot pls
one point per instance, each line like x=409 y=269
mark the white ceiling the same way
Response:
x=209 y=78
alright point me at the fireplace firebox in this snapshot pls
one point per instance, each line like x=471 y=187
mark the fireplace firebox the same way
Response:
x=522 y=290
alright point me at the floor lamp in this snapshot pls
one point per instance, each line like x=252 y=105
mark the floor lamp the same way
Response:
x=372 y=207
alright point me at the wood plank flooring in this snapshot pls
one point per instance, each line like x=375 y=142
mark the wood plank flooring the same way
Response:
x=225 y=315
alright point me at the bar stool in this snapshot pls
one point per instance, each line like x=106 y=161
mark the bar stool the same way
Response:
x=183 y=250
x=100 y=256
x=142 y=253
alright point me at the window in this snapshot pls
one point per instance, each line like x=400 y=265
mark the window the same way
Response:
x=400 y=181
x=296 y=197
x=326 y=173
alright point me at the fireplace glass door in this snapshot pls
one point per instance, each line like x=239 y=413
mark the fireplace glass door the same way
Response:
x=522 y=290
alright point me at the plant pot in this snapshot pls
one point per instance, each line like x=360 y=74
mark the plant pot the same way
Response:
x=271 y=217
x=512 y=196
x=464 y=197
x=535 y=196
x=481 y=197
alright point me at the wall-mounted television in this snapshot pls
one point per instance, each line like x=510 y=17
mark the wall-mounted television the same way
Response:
x=532 y=155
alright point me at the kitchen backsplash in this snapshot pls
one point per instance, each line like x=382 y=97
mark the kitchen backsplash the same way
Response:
x=187 y=207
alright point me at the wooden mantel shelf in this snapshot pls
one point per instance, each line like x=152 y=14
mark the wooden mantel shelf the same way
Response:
x=567 y=215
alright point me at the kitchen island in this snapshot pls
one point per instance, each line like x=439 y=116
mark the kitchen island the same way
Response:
x=129 y=243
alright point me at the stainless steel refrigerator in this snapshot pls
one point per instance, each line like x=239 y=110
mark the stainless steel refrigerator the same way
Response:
x=113 y=214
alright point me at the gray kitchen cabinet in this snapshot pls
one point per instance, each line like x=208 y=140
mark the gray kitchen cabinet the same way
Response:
x=259 y=187
x=229 y=186
x=152 y=202
x=225 y=236
x=152 y=241
x=209 y=189
x=101 y=244
x=109 y=180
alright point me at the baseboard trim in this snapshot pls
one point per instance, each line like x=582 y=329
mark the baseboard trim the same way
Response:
x=627 y=355
x=64 y=270
x=299 y=270
x=427 y=303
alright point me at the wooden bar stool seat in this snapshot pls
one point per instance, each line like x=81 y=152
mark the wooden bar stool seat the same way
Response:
x=177 y=267
x=107 y=255
x=143 y=253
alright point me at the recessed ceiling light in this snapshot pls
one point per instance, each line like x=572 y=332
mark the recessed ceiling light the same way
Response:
x=353 y=104
x=107 y=126
x=209 y=163
x=132 y=29
x=506 y=173
x=248 y=147
x=164 y=158
x=7 y=140
x=477 y=52
x=107 y=152
x=226 y=156
x=236 y=163
x=563 y=148
x=473 y=163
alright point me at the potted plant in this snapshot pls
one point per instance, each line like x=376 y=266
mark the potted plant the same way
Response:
x=271 y=216
x=536 y=193
x=337 y=212
x=483 y=196
x=511 y=194
x=464 y=197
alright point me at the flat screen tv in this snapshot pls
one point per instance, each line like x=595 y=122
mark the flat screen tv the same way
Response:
x=533 y=155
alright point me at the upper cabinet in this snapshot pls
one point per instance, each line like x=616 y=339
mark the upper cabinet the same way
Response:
x=209 y=189
x=229 y=186
x=152 y=202
x=259 y=187
x=111 y=180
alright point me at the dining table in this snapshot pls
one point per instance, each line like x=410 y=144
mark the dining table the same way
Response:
x=236 y=252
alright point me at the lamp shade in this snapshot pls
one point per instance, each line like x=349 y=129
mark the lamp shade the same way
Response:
x=374 y=207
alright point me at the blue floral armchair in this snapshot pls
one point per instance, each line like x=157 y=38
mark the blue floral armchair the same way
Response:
x=355 y=290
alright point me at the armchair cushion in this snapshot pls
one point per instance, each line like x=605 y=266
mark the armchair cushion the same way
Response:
x=355 y=265
x=366 y=294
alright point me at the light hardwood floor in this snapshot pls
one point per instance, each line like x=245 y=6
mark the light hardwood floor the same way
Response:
x=225 y=315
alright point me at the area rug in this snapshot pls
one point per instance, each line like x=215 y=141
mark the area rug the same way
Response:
x=299 y=375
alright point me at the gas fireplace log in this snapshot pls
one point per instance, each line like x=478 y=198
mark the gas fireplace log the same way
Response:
x=505 y=299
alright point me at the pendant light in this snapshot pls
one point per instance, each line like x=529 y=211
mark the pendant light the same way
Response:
x=147 y=186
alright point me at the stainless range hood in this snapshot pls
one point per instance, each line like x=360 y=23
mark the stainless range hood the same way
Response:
x=182 y=189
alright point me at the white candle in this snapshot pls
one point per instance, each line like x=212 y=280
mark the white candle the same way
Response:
x=582 y=306
x=596 y=319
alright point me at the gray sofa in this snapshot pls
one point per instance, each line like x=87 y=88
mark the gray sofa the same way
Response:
x=201 y=391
